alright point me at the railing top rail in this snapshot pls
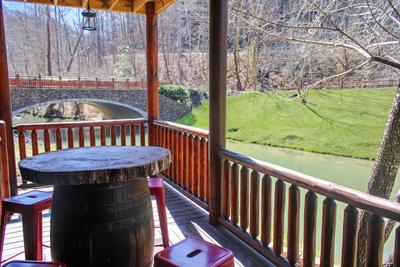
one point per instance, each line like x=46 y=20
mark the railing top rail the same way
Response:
x=187 y=129
x=358 y=199
x=76 y=124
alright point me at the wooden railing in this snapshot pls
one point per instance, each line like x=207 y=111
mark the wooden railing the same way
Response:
x=74 y=82
x=248 y=206
x=4 y=175
x=189 y=148
x=45 y=137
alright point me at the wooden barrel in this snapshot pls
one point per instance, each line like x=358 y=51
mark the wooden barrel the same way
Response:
x=102 y=225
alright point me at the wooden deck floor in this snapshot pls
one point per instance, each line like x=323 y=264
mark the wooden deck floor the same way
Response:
x=184 y=219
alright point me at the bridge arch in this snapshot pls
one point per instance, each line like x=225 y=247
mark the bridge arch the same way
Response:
x=128 y=100
x=111 y=109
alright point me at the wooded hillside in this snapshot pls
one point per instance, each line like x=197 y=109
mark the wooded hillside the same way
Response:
x=50 y=41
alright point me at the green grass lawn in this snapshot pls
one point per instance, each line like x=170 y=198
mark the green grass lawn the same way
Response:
x=348 y=122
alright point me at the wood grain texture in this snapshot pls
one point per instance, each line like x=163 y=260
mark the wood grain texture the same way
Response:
x=310 y=218
x=94 y=165
x=349 y=239
x=293 y=224
x=396 y=253
x=375 y=241
x=234 y=188
x=266 y=210
x=328 y=232
x=225 y=189
x=254 y=204
x=244 y=198
x=279 y=216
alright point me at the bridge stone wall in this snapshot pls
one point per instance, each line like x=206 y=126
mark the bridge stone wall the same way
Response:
x=23 y=98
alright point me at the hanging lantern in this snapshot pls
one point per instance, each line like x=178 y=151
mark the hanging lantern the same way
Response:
x=89 y=19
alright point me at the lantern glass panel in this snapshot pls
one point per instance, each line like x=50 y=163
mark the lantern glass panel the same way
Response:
x=89 y=20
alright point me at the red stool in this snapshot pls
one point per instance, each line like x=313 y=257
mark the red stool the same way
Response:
x=33 y=264
x=194 y=252
x=156 y=187
x=30 y=205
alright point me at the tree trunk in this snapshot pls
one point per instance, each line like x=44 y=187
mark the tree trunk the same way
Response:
x=48 y=41
x=384 y=171
x=236 y=46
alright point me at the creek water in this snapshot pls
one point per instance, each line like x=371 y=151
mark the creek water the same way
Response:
x=348 y=172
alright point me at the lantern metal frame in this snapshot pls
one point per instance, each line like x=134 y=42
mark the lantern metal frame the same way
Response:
x=88 y=19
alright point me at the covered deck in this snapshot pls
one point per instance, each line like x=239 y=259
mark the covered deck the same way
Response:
x=184 y=219
x=263 y=212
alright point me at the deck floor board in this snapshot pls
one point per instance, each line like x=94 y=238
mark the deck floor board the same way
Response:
x=184 y=219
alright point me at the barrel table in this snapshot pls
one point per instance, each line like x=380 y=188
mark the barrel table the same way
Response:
x=101 y=212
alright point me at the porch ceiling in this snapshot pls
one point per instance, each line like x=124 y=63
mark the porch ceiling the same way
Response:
x=128 y=6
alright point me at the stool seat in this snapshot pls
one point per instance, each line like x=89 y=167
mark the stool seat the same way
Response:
x=32 y=199
x=30 y=205
x=194 y=252
x=33 y=264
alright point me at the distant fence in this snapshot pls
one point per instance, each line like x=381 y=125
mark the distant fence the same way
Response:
x=74 y=82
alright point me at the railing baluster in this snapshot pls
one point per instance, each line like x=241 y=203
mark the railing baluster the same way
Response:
x=196 y=166
x=279 y=215
x=293 y=224
x=157 y=135
x=234 y=201
x=225 y=189
x=81 y=137
x=206 y=171
x=266 y=205
x=58 y=139
x=254 y=204
x=103 y=140
x=186 y=161
x=181 y=159
x=171 y=148
x=190 y=164
x=92 y=134
x=176 y=157
x=22 y=145
x=396 y=253
x=350 y=221
x=123 y=135
x=375 y=241
x=203 y=169
x=244 y=198
x=133 y=135
x=142 y=135
x=328 y=232
x=113 y=136
x=35 y=146
x=46 y=136
x=167 y=143
x=70 y=134
x=310 y=217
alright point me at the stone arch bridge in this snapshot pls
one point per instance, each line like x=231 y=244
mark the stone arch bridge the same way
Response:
x=113 y=102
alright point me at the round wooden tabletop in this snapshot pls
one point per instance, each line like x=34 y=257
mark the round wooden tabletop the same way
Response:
x=95 y=165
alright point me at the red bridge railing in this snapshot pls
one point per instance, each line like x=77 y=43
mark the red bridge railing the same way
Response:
x=74 y=82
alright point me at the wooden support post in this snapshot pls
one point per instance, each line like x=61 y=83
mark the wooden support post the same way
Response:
x=152 y=68
x=217 y=91
x=5 y=105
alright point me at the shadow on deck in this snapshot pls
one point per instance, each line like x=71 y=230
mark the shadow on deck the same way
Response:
x=184 y=219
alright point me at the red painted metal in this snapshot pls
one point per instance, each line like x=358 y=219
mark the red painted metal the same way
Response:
x=30 y=205
x=156 y=187
x=33 y=264
x=194 y=252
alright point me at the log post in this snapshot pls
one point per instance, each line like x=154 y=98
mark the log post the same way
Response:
x=152 y=68
x=217 y=90
x=5 y=105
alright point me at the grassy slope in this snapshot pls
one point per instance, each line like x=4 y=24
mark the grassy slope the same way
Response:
x=348 y=122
